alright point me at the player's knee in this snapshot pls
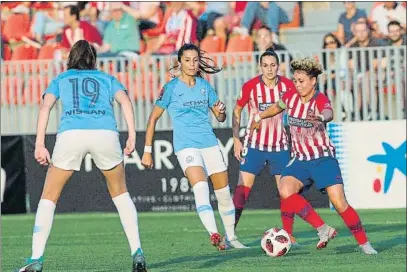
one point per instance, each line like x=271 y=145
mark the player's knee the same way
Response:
x=245 y=182
x=340 y=204
x=285 y=191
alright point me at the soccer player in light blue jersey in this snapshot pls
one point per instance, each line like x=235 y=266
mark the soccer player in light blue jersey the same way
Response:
x=87 y=126
x=188 y=98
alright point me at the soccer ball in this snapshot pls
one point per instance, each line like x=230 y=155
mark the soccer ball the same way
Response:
x=276 y=242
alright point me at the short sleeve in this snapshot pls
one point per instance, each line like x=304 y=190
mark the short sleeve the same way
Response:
x=117 y=86
x=341 y=18
x=164 y=99
x=323 y=103
x=53 y=88
x=212 y=96
x=244 y=96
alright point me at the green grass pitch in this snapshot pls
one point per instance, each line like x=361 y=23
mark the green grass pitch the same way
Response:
x=178 y=242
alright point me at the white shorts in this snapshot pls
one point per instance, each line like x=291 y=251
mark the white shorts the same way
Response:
x=210 y=159
x=72 y=146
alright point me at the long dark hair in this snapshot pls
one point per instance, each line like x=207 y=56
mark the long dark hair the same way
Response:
x=206 y=64
x=325 y=62
x=336 y=40
x=82 y=56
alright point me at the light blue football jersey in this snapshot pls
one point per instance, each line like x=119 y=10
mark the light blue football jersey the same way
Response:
x=188 y=108
x=87 y=99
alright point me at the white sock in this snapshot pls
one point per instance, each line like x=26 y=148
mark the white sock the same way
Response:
x=203 y=206
x=128 y=216
x=42 y=227
x=226 y=210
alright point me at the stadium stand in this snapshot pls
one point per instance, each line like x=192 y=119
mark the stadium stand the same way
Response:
x=307 y=25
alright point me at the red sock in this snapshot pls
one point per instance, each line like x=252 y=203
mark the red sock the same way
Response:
x=239 y=199
x=352 y=221
x=299 y=205
x=287 y=217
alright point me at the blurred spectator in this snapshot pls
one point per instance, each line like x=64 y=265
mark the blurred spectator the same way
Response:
x=145 y=12
x=331 y=60
x=346 y=19
x=122 y=35
x=330 y=42
x=180 y=28
x=76 y=30
x=364 y=68
x=17 y=24
x=395 y=37
x=22 y=7
x=213 y=19
x=386 y=12
x=197 y=7
x=46 y=24
x=364 y=40
x=269 y=13
x=264 y=40
x=94 y=19
x=103 y=9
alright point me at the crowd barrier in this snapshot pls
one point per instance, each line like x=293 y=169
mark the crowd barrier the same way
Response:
x=373 y=91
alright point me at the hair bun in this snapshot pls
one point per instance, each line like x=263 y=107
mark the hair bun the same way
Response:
x=270 y=49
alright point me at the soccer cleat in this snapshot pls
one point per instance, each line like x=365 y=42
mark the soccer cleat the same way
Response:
x=216 y=239
x=293 y=241
x=229 y=244
x=139 y=261
x=325 y=235
x=32 y=265
x=368 y=249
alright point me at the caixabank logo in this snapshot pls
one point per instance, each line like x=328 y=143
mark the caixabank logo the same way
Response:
x=391 y=160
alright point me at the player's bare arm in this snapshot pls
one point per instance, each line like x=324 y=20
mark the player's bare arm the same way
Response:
x=271 y=111
x=123 y=99
x=219 y=110
x=237 y=113
x=237 y=144
x=147 y=160
x=326 y=116
x=41 y=153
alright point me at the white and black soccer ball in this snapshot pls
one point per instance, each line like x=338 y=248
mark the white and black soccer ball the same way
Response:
x=276 y=242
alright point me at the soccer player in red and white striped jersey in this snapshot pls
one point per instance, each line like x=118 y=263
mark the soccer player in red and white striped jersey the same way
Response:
x=309 y=141
x=314 y=156
x=269 y=144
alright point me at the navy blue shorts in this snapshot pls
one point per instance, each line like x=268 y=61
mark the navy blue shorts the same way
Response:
x=255 y=160
x=324 y=172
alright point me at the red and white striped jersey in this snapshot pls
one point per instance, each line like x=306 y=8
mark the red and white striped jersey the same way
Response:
x=309 y=141
x=182 y=27
x=271 y=135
